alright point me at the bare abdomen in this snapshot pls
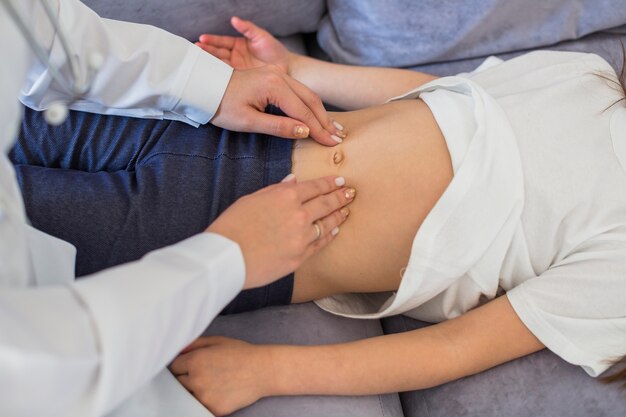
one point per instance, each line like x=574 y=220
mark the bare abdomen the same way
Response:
x=396 y=158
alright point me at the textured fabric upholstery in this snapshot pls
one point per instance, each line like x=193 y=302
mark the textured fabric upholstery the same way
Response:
x=538 y=385
x=407 y=33
x=190 y=18
x=306 y=324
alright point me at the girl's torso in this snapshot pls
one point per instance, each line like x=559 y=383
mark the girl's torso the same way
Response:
x=396 y=158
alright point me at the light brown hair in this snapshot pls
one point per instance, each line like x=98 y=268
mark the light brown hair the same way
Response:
x=619 y=376
x=620 y=83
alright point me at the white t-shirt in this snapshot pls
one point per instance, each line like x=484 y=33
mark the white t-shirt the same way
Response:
x=536 y=208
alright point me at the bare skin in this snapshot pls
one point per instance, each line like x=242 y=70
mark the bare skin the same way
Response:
x=396 y=157
x=395 y=194
x=227 y=374
x=279 y=235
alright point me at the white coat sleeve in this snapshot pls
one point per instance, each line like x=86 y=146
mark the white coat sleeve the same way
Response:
x=80 y=350
x=147 y=72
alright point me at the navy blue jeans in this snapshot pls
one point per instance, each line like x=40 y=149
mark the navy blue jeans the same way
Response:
x=119 y=187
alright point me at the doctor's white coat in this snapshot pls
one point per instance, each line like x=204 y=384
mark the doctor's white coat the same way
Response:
x=80 y=348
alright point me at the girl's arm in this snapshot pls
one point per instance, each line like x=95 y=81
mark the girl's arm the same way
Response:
x=345 y=86
x=227 y=375
x=350 y=87
x=423 y=358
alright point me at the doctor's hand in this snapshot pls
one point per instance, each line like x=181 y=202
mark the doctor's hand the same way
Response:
x=280 y=226
x=250 y=91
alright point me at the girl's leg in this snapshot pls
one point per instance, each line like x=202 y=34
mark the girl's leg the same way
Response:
x=119 y=187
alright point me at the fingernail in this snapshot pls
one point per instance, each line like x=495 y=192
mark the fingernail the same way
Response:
x=334 y=231
x=339 y=181
x=336 y=138
x=301 y=131
x=350 y=193
x=337 y=125
x=289 y=178
x=341 y=134
x=345 y=211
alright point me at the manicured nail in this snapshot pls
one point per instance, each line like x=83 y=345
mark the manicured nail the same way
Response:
x=336 y=138
x=350 y=193
x=345 y=211
x=337 y=125
x=339 y=181
x=334 y=231
x=341 y=134
x=301 y=131
x=289 y=178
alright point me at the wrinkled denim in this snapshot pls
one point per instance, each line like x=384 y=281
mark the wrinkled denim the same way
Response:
x=118 y=187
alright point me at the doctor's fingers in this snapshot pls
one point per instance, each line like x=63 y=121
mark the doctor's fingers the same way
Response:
x=304 y=113
x=324 y=230
x=310 y=189
x=270 y=124
x=313 y=114
x=326 y=204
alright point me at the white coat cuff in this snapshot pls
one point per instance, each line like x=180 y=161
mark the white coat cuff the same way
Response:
x=200 y=248
x=205 y=87
x=145 y=312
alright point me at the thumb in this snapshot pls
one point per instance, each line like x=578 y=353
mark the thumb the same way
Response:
x=281 y=126
x=246 y=28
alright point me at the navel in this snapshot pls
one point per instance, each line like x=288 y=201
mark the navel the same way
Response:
x=338 y=157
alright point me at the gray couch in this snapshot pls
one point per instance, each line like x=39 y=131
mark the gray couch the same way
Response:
x=442 y=37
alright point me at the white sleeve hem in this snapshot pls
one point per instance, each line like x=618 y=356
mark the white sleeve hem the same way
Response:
x=145 y=312
x=552 y=338
x=196 y=247
x=206 y=84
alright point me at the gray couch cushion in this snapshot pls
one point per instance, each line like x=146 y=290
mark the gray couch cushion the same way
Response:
x=605 y=44
x=190 y=18
x=407 y=33
x=540 y=384
x=306 y=324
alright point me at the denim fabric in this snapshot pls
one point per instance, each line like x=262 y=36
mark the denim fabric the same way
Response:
x=118 y=187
